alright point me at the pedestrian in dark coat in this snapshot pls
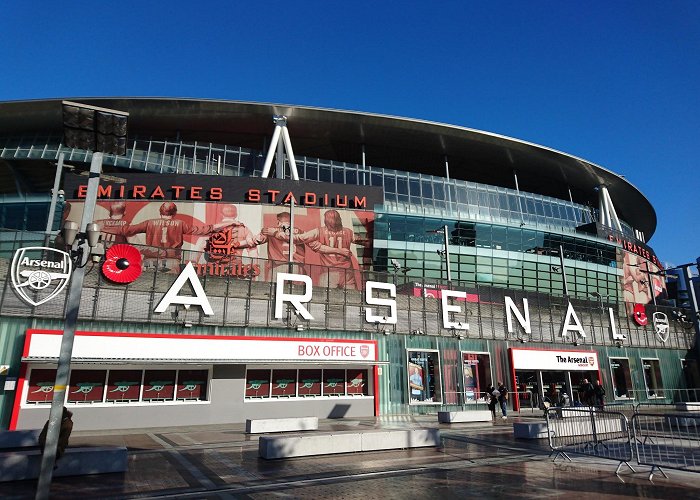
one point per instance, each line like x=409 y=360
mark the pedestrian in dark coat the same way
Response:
x=63 y=435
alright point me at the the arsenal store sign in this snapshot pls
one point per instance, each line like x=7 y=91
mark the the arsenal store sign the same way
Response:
x=532 y=359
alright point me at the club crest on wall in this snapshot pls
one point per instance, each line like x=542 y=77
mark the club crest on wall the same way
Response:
x=39 y=273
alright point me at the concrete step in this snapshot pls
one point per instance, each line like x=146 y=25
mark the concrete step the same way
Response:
x=25 y=464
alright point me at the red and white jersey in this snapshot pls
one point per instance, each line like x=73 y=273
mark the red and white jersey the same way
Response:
x=112 y=230
x=166 y=233
x=324 y=237
x=278 y=246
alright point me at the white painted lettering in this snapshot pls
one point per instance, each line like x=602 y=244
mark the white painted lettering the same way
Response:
x=370 y=317
x=296 y=300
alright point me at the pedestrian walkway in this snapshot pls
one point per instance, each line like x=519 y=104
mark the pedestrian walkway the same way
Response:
x=221 y=461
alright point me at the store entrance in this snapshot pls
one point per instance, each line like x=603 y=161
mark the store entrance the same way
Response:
x=554 y=385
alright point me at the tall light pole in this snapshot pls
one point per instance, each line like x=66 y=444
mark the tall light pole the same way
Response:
x=445 y=252
x=54 y=199
x=102 y=131
x=563 y=271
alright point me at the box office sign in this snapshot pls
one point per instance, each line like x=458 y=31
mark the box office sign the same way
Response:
x=106 y=346
x=554 y=360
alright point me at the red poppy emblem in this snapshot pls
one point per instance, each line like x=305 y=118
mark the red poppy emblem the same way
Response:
x=122 y=264
x=640 y=315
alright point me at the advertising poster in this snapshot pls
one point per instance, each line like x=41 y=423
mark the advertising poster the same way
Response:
x=332 y=246
x=415 y=380
x=471 y=377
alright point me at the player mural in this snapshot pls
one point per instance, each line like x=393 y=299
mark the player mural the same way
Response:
x=331 y=245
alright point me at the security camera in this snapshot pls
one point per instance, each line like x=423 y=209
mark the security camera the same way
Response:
x=396 y=265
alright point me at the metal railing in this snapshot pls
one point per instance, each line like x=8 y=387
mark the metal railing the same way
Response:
x=598 y=433
x=658 y=439
x=667 y=440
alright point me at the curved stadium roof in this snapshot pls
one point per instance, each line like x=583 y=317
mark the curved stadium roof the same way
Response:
x=391 y=142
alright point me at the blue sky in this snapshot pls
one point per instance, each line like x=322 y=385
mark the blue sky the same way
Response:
x=616 y=83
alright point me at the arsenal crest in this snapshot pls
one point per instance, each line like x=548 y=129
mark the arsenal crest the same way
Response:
x=39 y=273
x=661 y=325
x=364 y=351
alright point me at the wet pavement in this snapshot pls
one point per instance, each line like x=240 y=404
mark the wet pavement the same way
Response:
x=476 y=460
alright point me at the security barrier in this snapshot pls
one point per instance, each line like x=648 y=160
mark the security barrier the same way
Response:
x=667 y=440
x=587 y=431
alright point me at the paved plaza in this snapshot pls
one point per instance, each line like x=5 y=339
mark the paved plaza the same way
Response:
x=476 y=460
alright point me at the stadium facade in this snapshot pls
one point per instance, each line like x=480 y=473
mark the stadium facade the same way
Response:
x=381 y=266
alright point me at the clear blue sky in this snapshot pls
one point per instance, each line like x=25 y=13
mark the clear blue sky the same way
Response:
x=616 y=83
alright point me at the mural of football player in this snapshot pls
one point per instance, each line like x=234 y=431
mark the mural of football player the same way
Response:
x=230 y=243
x=113 y=228
x=277 y=239
x=332 y=241
x=165 y=235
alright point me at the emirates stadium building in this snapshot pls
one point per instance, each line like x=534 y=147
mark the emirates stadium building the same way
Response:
x=259 y=260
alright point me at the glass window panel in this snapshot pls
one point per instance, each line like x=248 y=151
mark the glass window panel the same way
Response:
x=401 y=185
x=41 y=385
x=192 y=384
x=621 y=377
x=123 y=385
x=424 y=377
x=257 y=384
x=652 y=378
x=159 y=385
x=333 y=382
x=309 y=383
x=284 y=383
x=86 y=386
x=357 y=382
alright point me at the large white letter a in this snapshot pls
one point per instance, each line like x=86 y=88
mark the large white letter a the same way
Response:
x=172 y=297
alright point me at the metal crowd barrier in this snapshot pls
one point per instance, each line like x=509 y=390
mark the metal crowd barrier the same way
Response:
x=592 y=432
x=667 y=440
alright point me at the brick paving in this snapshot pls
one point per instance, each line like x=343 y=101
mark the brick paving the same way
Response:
x=477 y=460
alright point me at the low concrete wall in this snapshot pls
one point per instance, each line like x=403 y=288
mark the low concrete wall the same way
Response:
x=257 y=426
x=530 y=430
x=272 y=447
x=25 y=464
x=688 y=406
x=19 y=439
x=451 y=417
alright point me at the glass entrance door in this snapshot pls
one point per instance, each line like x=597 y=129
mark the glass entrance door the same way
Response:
x=554 y=384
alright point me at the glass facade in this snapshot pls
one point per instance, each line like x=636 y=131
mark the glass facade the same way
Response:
x=403 y=191
x=498 y=236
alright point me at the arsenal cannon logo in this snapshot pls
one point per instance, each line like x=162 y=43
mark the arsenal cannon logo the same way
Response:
x=39 y=273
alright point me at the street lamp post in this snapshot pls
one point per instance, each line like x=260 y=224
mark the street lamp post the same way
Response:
x=102 y=131
x=445 y=252
x=54 y=199
x=563 y=271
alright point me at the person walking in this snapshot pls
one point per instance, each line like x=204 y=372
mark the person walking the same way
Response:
x=585 y=393
x=599 y=394
x=492 y=398
x=503 y=399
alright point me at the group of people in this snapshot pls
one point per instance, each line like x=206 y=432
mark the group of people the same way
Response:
x=589 y=394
